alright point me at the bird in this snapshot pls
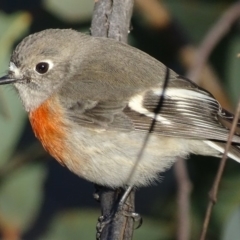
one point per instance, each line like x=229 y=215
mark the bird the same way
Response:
x=91 y=102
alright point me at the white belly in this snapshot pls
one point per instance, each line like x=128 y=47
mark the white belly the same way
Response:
x=110 y=158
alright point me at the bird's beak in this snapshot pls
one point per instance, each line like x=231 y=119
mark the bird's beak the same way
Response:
x=7 y=80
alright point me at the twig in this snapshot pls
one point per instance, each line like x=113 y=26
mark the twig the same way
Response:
x=154 y=10
x=121 y=228
x=202 y=54
x=159 y=18
x=214 y=191
x=151 y=127
x=183 y=196
x=219 y=30
x=100 y=18
x=111 y=18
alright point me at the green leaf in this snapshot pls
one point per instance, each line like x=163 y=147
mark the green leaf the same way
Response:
x=21 y=195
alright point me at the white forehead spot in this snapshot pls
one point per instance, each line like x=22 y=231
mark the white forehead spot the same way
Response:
x=13 y=68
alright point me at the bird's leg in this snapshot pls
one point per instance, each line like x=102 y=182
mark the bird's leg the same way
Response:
x=124 y=198
x=136 y=216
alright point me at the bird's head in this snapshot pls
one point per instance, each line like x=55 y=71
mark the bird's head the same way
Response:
x=40 y=64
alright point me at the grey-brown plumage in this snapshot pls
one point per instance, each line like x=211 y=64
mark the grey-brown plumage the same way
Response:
x=102 y=95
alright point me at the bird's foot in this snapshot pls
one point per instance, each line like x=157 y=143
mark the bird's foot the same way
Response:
x=105 y=220
x=137 y=218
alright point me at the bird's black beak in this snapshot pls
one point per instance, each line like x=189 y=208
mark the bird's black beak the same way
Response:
x=7 y=80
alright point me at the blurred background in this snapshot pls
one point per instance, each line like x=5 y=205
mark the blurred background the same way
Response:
x=39 y=199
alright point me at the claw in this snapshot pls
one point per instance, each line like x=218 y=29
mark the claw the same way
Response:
x=102 y=222
x=136 y=218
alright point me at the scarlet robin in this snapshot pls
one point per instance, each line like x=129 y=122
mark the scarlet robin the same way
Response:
x=91 y=101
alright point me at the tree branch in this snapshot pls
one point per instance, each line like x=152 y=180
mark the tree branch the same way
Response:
x=214 y=190
x=183 y=196
x=218 y=31
x=111 y=18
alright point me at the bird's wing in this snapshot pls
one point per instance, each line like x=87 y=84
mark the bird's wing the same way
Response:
x=101 y=115
x=187 y=111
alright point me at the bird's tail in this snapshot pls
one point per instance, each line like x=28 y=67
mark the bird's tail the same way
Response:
x=226 y=119
x=233 y=152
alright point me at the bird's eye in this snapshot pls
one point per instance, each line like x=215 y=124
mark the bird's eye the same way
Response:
x=42 y=67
